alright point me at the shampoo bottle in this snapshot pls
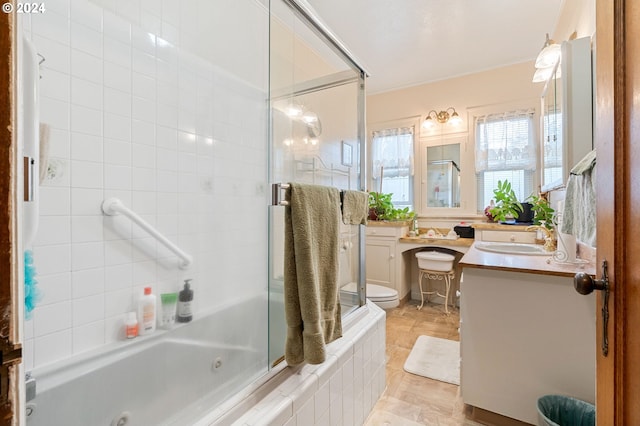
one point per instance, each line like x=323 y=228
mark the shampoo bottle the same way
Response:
x=147 y=312
x=185 y=300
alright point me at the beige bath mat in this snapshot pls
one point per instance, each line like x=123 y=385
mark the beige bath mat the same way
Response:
x=435 y=358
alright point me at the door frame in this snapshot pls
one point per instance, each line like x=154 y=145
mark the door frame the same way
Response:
x=617 y=141
x=10 y=371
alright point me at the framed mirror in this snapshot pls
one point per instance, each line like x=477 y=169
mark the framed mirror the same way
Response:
x=442 y=183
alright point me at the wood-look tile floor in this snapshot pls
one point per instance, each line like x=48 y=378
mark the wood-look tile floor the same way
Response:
x=410 y=399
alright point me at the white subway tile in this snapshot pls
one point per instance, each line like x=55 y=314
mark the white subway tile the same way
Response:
x=119 y=302
x=86 y=174
x=88 y=309
x=117 y=252
x=117 y=127
x=86 y=147
x=167 y=115
x=143 y=109
x=150 y=23
x=88 y=336
x=117 y=152
x=51 y=318
x=143 y=40
x=86 y=120
x=114 y=328
x=59 y=6
x=54 y=288
x=87 y=282
x=118 y=277
x=86 y=66
x=144 y=202
x=116 y=27
x=52 y=259
x=55 y=113
x=321 y=402
x=144 y=246
x=53 y=230
x=86 y=229
x=143 y=132
x=117 y=52
x=144 y=63
x=54 y=201
x=167 y=74
x=167 y=159
x=51 y=25
x=117 y=177
x=86 y=39
x=56 y=85
x=117 y=76
x=144 y=273
x=117 y=227
x=87 y=14
x=305 y=416
x=52 y=347
x=86 y=201
x=186 y=141
x=117 y=101
x=56 y=53
x=144 y=179
x=167 y=138
x=143 y=86
x=87 y=255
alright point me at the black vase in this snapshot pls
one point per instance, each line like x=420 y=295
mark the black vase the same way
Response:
x=526 y=215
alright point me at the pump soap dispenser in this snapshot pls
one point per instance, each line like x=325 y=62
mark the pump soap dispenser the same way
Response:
x=185 y=299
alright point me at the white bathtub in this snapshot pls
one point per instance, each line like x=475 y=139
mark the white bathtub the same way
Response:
x=169 y=378
x=187 y=376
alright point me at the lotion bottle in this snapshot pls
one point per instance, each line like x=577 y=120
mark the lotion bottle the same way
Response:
x=185 y=303
x=147 y=312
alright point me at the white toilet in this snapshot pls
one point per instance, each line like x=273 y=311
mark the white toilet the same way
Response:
x=384 y=297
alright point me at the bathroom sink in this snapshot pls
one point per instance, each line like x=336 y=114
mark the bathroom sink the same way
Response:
x=513 y=248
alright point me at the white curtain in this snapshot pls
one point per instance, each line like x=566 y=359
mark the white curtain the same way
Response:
x=393 y=150
x=505 y=141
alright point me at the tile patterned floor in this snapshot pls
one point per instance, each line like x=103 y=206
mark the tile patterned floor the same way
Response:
x=410 y=399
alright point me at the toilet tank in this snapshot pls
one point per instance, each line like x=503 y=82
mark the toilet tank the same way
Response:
x=435 y=261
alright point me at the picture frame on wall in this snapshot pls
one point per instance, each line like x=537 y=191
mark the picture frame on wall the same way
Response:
x=347 y=154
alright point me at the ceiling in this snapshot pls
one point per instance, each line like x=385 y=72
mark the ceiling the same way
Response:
x=403 y=43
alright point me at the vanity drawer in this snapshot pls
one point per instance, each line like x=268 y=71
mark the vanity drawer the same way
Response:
x=508 y=237
x=386 y=231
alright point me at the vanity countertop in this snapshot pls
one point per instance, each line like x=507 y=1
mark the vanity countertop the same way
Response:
x=460 y=242
x=543 y=265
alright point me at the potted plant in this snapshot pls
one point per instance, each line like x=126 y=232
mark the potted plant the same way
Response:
x=381 y=208
x=543 y=213
x=506 y=207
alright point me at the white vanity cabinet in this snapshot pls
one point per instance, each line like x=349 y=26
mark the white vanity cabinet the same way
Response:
x=524 y=335
x=381 y=261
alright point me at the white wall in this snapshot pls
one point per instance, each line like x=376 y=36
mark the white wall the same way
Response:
x=161 y=104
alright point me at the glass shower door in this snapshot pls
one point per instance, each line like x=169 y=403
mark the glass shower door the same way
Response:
x=316 y=105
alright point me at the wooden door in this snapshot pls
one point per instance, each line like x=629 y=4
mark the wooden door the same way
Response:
x=9 y=276
x=617 y=140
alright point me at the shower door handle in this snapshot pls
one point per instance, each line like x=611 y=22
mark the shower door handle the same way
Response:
x=584 y=284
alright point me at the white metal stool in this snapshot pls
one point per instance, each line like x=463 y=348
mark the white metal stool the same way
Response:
x=447 y=276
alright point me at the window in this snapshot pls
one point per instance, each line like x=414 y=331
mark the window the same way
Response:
x=392 y=164
x=505 y=149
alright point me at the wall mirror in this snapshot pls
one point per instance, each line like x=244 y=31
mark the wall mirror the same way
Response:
x=442 y=186
x=552 y=140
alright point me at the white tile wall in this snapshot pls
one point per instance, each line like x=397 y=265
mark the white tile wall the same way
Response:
x=130 y=106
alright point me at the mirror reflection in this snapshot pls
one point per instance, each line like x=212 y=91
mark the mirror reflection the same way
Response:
x=443 y=176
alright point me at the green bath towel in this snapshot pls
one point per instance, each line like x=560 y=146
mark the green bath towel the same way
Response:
x=355 y=207
x=312 y=308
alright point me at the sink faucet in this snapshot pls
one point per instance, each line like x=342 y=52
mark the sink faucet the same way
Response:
x=549 y=244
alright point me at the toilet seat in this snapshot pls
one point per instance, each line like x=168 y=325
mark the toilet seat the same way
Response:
x=382 y=296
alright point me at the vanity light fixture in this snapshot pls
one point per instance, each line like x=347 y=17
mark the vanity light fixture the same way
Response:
x=441 y=117
x=549 y=55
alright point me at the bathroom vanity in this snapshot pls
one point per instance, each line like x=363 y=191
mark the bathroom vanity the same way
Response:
x=391 y=260
x=525 y=333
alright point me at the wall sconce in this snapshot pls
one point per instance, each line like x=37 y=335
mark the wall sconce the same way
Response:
x=546 y=60
x=441 y=117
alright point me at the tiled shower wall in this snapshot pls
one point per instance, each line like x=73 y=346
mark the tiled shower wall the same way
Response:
x=163 y=105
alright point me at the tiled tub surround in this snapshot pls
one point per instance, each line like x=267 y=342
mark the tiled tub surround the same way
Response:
x=162 y=105
x=341 y=391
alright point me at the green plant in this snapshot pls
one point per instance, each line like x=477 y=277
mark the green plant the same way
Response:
x=506 y=205
x=381 y=208
x=542 y=211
